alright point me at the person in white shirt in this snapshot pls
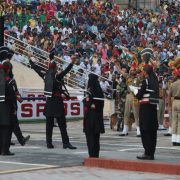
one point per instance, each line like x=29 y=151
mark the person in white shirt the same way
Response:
x=97 y=67
x=105 y=86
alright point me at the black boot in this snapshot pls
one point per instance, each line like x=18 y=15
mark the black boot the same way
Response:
x=7 y=153
x=69 y=146
x=50 y=146
x=12 y=144
x=145 y=157
x=25 y=140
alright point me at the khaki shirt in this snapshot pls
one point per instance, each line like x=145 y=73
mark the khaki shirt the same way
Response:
x=174 y=90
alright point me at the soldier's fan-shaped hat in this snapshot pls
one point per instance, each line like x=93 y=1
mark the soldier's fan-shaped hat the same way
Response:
x=5 y=53
x=147 y=51
x=147 y=54
x=10 y=54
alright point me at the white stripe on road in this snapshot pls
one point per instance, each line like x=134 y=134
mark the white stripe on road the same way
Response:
x=28 y=164
x=25 y=147
x=25 y=170
x=122 y=150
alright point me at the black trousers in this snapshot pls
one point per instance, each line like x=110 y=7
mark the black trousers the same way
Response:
x=93 y=144
x=149 y=139
x=5 y=138
x=16 y=130
x=62 y=126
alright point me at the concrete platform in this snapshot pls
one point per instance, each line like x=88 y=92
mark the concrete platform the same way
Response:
x=142 y=166
x=34 y=158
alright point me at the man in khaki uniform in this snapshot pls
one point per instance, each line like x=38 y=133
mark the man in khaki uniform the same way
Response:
x=174 y=107
x=131 y=105
x=169 y=132
x=161 y=109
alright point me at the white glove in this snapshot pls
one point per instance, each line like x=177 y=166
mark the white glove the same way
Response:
x=133 y=89
x=80 y=97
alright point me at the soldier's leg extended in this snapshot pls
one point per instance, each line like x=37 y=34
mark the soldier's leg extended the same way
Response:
x=17 y=131
x=176 y=122
x=127 y=112
x=169 y=132
x=49 y=131
x=121 y=107
x=160 y=113
x=63 y=129
x=135 y=109
x=6 y=132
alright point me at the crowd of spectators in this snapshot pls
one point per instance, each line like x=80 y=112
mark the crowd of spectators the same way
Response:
x=98 y=32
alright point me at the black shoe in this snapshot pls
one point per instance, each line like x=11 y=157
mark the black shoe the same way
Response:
x=50 y=146
x=145 y=157
x=12 y=144
x=25 y=140
x=138 y=135
x=123 y=134
x=177 y=144
x=167 y=134
x=69 y=146
x=7 y=154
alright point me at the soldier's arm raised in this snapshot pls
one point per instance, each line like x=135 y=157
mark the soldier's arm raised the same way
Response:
x=36 y=68
x=61 y=74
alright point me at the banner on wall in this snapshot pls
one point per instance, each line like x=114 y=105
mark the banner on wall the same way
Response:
x=33 y=109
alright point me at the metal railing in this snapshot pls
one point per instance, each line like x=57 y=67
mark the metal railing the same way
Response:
x=75 y=79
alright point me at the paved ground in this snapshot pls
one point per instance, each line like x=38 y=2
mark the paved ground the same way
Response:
x=36 y=161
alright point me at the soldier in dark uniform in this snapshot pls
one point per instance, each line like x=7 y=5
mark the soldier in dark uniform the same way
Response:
x=6 y=102
x=93 y=118
x=15 y=127
x=54 y=107
x=148 y=97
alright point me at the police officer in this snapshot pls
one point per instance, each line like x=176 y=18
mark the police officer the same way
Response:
x=174 y=107
x=54 y=107
x=93 y=118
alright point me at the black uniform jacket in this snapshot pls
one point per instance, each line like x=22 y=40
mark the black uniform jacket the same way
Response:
x=54 y=105
x=93 y=115
x=9 y=106
x=148 y=112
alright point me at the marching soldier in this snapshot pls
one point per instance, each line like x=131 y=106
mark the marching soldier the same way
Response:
x=148 y=96
x=15 y=127
x=54 y=108
x=6 y=102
